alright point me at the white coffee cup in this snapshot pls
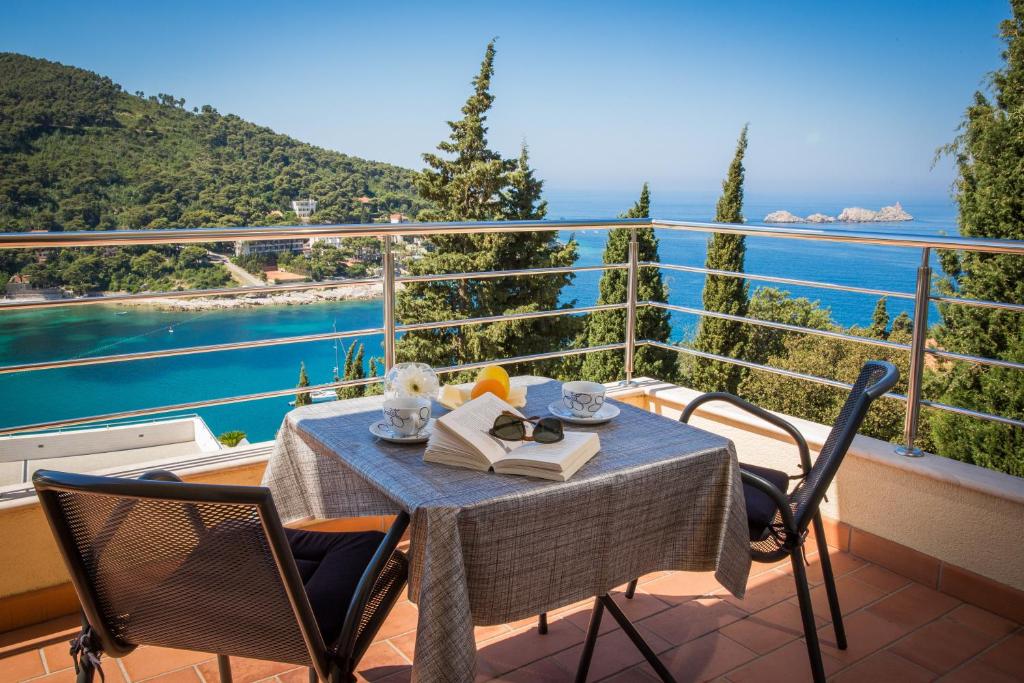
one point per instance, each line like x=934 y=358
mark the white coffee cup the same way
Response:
x=583 y=399
x=406 y=416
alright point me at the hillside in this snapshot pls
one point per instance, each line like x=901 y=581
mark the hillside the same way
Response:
x=77 y=152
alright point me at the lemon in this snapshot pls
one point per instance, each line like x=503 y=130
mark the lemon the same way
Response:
x=494 y=379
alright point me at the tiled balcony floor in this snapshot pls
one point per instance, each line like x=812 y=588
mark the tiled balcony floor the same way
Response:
x=897 y=630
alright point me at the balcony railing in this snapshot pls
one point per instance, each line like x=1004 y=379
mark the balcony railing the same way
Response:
x=391 y=329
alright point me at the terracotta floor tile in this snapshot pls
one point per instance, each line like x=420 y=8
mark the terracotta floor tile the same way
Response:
x=58 y=656
x=913 y=606
x=880 y=577
x=640 y=607
x=976 y=671
x=763 y=591
x=885 y=666
x=525 y=646
x=613 y=653
x=691 y=620
x=865 y=634
x=187 y=675
x=786 y=665
x=638 y=674
x=148 y=661
x=760 y=635
x=546 y=670
x=1007 y=656
x=705 y=658
x=381 y=660
x=20 y=666
x=245 y=670
x=401 y=619
x=853 y=595
x=982 y=620
x=679 y=587
x=299 y=675
x=942 y=645
x=842 y=564
x=406 y=644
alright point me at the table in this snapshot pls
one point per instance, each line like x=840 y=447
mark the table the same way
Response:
x=488 y=548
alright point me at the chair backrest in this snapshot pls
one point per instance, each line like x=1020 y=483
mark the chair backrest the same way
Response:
x=875 y=378
x=190 y=566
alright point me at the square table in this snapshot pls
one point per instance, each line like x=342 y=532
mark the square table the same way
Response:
x=489 y=548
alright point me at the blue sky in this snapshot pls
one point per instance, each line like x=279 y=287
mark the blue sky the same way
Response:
x=841 y=97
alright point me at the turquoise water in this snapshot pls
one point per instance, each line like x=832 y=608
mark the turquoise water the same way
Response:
x=97 y=330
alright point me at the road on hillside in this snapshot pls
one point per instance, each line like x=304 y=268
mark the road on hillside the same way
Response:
x=241 y=275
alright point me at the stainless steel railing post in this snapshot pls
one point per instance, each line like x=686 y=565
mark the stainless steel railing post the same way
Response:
x=388 y=275
x=922 y=297
x=631 y=297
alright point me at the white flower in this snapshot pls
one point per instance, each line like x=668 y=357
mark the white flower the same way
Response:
x=415 y=380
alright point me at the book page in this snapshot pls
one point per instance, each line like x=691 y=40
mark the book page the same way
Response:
x=558 y=456
x=472 y=422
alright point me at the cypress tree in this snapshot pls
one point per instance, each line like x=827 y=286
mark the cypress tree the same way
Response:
x=902 y=326
x=609 y=327
x=989 y=153
x=879 y=321
x=724 y=294
x=303 y=398
x=469 y=181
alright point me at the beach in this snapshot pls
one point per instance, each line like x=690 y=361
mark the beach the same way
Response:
x=355 y=292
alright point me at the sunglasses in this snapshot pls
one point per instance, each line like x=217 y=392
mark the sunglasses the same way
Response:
x=510 y=427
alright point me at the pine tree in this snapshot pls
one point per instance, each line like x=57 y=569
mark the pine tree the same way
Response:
x=879 y=321
x=303 y=398
x=522 y=200
x=989 y=153
x=902 y=326
x=469 y=181
x=724 y=294
x=609 y=327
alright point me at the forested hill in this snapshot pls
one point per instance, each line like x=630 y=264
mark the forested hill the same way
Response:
x=79 y=153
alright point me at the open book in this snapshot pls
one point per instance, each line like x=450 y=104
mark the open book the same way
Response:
x=462 y=438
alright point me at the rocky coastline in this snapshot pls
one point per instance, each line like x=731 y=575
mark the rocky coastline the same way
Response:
x=853 y=214
x=294 y=298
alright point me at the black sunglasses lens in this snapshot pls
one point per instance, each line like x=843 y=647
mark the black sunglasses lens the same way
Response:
x=509 y=428
x=548 y=430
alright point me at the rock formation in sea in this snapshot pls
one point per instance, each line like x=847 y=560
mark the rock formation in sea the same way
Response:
x=820 y=218
x=783 y=217
x=887 y=214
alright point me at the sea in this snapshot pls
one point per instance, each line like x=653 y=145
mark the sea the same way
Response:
x=75 y=332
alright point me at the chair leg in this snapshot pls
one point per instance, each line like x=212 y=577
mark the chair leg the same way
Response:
x=637 y=639
x=313 y=678
x=542 y=623
x=803 y=594
x=631 y=589
x=830 y=583
x=224 y=668
x=588 y=645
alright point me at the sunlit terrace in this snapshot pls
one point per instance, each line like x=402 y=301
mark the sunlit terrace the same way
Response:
x=925 y=550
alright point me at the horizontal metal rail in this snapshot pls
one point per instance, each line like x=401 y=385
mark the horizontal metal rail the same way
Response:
x=191 y=405
x=987 y=245
x=99 y=238
x=484 y=274
x=186 y=351
x=1018 y=308
x=778 y=326
x=184 y=294
x=113 y=238
x=973 y=413
x=277 y=393
x=778 y=280
x=758 y=366
x=978 y=360
x=458 y=322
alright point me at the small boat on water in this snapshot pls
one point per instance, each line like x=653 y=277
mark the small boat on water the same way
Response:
x=320 y=396
x=121 y=313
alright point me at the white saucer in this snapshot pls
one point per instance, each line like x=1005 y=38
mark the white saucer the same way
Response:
x=381 y=430
x=607 y=412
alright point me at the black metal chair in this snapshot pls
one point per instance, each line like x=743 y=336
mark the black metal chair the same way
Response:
x=779 y=521
x=156 y=561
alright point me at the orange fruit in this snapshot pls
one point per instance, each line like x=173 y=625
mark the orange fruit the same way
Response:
x=494 y=379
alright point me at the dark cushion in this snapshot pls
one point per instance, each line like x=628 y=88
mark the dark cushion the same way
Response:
x=761 y=508
x=331 y=565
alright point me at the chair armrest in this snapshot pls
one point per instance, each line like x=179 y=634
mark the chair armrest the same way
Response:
x=364 y=589
x=757 y=411
x=778 y=497
x=160 y=475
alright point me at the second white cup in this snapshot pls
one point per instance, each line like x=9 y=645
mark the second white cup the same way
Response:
x=583 y=399
x=406 y=416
